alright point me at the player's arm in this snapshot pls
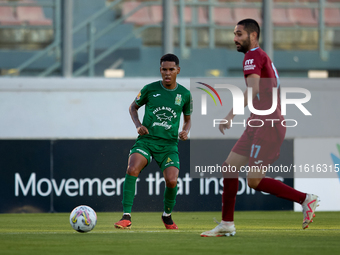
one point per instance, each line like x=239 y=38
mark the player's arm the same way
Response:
x=183 y=135
x=253 y=81
x=133 y=109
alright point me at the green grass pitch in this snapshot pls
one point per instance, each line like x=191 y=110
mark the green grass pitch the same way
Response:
x=257 y=232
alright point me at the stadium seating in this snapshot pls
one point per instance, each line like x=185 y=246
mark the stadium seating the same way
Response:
x=154 y=14
x=284 y=1
x=305 y=17
x=7 y=17
x=244 y=13
x=224 y=17
x=32 y=15
x=157 y=14
x=280 y=18
x=140 y=17
x=203 y=17
x=332 y=17
x=302 y=16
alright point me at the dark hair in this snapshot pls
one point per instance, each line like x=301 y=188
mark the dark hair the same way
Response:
x=250 y=26
x=171 y=58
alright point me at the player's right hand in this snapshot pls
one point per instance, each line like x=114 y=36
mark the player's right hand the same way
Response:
x=224 y=126
x=142 y=130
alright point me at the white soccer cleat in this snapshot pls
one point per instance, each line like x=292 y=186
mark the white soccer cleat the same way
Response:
x=308 y=209
x=221 y=229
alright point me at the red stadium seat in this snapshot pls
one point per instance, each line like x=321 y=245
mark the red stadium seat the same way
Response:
x=32 y=15
x=332 y=17
x=229 y=1
x=202 y=15
x=302 y=16
x=247 y=13
x=157 y=14
x=140 y=17
x=280 y=18
x=7 y=17
x=284 y=1
x=223 y=17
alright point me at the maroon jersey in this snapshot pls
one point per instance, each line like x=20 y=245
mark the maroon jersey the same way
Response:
x=256 y=61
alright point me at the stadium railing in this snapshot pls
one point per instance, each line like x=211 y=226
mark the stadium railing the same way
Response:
x=209 y=15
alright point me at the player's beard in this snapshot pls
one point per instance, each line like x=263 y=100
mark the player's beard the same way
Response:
x=244 y=45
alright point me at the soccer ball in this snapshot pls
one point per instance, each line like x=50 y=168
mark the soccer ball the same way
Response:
x=83 y=218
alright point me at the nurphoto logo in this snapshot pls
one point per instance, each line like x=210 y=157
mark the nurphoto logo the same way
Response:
x=238 y=101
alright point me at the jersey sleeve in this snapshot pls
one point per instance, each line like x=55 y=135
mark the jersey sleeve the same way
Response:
x=253 y=63
x=142 y=97
x=187 y=107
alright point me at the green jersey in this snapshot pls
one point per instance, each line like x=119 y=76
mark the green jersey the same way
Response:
x=163 y=108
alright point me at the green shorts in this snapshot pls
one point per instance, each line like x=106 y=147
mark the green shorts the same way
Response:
x=164 y=155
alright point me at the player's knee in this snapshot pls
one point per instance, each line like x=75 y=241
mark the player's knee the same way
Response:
x=133 y=171
x=171 y=183
x=253 y=182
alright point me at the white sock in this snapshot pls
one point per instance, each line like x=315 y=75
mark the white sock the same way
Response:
x=166 y=214
x=227 y=223
x=127 y=214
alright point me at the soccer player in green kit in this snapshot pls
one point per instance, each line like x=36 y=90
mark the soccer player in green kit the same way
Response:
x=164 y=101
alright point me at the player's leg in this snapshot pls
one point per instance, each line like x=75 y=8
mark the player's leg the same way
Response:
x=309 y=202
x=170 y=176
x=266 y=149
x=230 y=187
x=136 y=163
x=230 y=184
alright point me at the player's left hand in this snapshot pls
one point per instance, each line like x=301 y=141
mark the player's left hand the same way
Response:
x=183 y=135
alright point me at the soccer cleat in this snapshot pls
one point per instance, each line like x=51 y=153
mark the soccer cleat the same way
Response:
x=168 y=222
x=220 y=230
x=308 y=209
x=124 y=223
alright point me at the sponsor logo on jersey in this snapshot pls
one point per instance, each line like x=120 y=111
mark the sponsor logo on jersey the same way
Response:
x=162 y=117
x=249 y=62
x=248 y=65
x=167 y=114
x=167 y=109
x=162 y=124
x=156 y=95
x=178 y=99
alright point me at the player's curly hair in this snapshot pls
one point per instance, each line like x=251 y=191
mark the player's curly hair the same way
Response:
x=250 y=25
x=171 y=58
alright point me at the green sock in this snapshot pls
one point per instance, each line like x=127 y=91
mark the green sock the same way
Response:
x=129 y=189
x=169 y=199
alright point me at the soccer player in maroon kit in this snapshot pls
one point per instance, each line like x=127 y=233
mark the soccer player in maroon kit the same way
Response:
x=258 y=145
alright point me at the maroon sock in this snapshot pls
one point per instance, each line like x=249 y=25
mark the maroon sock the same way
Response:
x=230 y=187
x=281 y=190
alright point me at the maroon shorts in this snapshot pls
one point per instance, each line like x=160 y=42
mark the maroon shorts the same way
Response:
x=261 y=144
